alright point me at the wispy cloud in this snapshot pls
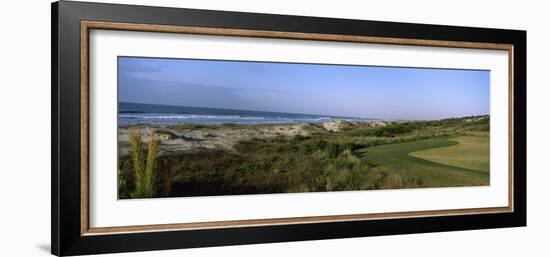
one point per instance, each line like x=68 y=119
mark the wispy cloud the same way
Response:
x=125 y=65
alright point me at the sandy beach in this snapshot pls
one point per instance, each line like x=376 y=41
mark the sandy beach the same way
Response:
x=188 y=138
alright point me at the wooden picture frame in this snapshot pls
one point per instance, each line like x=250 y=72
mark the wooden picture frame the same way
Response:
x=71 y=25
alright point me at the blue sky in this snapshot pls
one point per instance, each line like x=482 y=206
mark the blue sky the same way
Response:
x=343 y=90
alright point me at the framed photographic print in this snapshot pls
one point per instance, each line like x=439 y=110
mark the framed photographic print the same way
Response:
x=178 y=128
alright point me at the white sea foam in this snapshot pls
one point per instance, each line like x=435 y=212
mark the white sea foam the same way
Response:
x=188 y=116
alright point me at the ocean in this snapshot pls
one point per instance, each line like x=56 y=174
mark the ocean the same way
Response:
x=136 y=113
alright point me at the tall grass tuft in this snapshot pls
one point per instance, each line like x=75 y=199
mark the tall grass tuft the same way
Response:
x=144 y=169
x=152 y=153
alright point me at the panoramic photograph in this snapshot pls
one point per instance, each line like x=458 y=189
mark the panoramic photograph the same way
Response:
x=191 y=127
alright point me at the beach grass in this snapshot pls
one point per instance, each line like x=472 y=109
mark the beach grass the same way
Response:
x=143 y=166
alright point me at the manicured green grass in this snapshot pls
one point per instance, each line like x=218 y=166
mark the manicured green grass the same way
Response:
x=471 y=152
x=395 y=159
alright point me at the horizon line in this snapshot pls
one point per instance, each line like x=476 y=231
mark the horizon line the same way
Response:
x=335 y=116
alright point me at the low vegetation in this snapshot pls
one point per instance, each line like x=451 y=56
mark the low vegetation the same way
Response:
x=357 y=157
